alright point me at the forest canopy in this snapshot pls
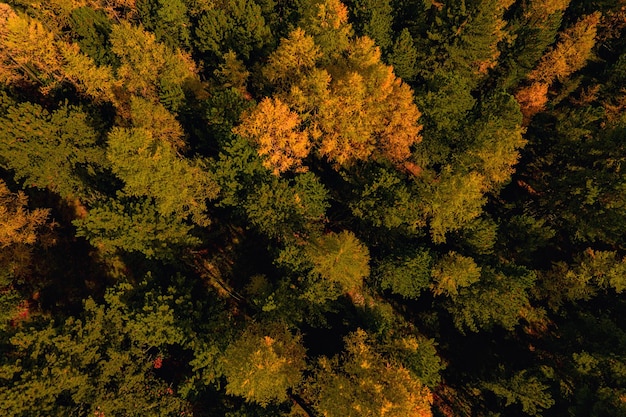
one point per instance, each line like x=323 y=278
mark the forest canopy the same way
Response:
x=313 y=208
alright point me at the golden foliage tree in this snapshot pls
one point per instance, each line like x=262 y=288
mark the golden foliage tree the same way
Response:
x=264 y=363
x=276 y=131
x=571 y=52
x=352 y=104
x=19 y=231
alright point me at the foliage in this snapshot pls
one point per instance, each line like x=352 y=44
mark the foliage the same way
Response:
x=264 y=363
x=369 y=207
x=362 y=383
x=103 y=363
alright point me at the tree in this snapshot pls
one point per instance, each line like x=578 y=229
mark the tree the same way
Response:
x=168 y=20
x=403 y=56
x=364 y=383
x=276 y=131
x=372 y=18
x=264 y=363
x=56 y=149
x=135 y=226
x=354 y=106
x=103 y=363
x=452 y=272
x=407 y=275
x=340 y=258
x=234 y=25
x=527 y=391
x=29 y=52
x=151 y=69
x=47 y=61
x=145 y=158
x=500 y=297
x=569 y=55
x=20 y=231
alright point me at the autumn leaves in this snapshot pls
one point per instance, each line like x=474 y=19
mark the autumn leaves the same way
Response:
x=335 y=100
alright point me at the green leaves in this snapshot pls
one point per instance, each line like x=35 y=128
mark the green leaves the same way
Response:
x=58 y=150
x=264 y=363
x=340 y=258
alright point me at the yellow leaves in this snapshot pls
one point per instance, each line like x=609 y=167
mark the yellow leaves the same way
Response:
x=17 y=225
x=19 y=230
x=276 y=131
x=97 y=82
x=568 y=56
x=27 y=50
x=571 y=52
x=332 y=14
x=156 y=119
x=542 y=9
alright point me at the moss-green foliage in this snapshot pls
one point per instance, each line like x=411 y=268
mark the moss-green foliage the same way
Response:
x=265 y=362
x=168 y=20
x=135 y=226
x=527 y=391
x=235 y=25
x=57 y=150
x=102 y=362
x=499 y=298
x=92 y=29
x=407 y=275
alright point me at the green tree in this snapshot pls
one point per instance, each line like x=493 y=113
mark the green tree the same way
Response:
x=372 y=18
x=232 y=25
x=501 y=297
x=168 y=20
x=264 y=363
x=58 y=149
x=135 y=226
x=527 y=391
x=104 y=363
x=403 y=56
x=145 y=158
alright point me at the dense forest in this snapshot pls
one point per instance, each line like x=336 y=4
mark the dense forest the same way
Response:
x=309 y=208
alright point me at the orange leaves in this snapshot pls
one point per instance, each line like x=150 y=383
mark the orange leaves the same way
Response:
x=532 y=99
x=276 y=131
x=568 y=56
x=352 y=106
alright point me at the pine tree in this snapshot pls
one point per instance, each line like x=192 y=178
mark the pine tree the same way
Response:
x=364 y=383
x=264 y=363
x=57 y=150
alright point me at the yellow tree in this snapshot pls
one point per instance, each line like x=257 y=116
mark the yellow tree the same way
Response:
x=19 y=231
x=264 y=363
x=276 y=131
x=31 y=53
x=363 y=383
x=568 y=56
x=148 y=68
x=571 y=52
x=352 y=104
x=28 y=50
